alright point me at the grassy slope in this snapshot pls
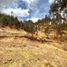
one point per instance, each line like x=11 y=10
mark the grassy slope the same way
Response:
x=23 y=52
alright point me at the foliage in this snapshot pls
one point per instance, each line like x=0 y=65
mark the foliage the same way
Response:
x=46 y=24
x=10 y=21
x=29 y=26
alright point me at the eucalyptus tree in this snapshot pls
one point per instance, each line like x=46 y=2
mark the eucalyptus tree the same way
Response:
x=58 y=9
x=58 y=14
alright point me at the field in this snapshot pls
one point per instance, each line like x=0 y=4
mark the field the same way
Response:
x=16 y=50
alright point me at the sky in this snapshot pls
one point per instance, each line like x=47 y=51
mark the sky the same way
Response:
x=26 y=9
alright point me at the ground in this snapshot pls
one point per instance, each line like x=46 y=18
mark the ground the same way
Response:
x=19 y=51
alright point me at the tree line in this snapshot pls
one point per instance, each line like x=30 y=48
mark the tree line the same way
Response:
x=54 y=21
x=46 y=24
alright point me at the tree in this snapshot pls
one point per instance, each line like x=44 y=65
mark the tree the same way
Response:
x=56 y=9
x=29 y=26
x=12 y=22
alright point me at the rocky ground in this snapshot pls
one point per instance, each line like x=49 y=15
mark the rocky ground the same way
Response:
x=16 y=50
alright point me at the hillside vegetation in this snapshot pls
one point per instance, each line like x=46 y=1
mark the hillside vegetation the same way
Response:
x=17 y=49
x=48 y=28
x=39 y=44
x=23 y=47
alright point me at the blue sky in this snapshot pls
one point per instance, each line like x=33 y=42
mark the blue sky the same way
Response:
x=26 y=9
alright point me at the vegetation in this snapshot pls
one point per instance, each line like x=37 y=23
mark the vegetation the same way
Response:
x=18 y=49
x=10 y=21
x=55 y=21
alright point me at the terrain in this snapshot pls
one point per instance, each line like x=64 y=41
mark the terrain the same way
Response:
x=17 y=49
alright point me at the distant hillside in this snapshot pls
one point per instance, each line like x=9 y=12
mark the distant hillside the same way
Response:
x=47 y=27
x=12 y=22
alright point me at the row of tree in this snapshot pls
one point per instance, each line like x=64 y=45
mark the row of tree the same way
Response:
x=10 y=21
x=46 y=24
x=55 y=21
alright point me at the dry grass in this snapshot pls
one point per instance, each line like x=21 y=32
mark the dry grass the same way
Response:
x=23 y=52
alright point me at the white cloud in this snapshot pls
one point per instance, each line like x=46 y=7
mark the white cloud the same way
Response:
x=5 y=2
x=29 y=1
x=51 y=1
x=16 y=12
x=35 y=8
x=33 y=19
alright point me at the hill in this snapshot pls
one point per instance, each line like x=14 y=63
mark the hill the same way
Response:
x=28 y=44
x=16 y=50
